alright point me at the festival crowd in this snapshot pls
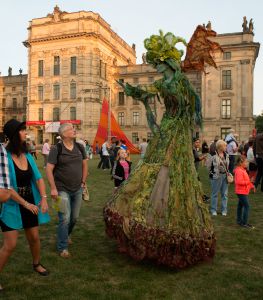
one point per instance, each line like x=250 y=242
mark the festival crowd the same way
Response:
x=23 y=192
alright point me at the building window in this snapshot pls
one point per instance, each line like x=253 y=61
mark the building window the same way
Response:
x=226 y=109
x=226 y=55
x=121 y=98
x=103 y=69
x=40 y=92
x=40 y=114
x=24 y=88
x=3 y=89
x=151 y=79
x=3 y=103
x=24 y=102
x=135 y=80
x=14 y=103
x=121 y=80
x=73 y=90
x=56 y=91
x=226 y=80
x=224 y=132
x=149 y=135
x=135 y=118
x=136 y=102
x=24 y=118
x=14 y=117
x=73 y=65
x=121 y=118
x=56 y=65
x=135 y=137
x=73 y=114
x=55 y=114
x=40 y=68
x=13 y=89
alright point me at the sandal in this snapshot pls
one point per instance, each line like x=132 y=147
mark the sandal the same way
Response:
x=43 y=273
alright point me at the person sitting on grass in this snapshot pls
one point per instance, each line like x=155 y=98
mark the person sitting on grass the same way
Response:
x=243 y=186
x=121 y=169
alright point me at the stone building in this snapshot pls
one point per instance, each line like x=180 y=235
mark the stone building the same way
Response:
x=75 y=58
x=13 y=97
x=71 y=61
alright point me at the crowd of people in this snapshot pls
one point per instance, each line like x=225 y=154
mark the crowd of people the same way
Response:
x=228 y=161
x=23 y=192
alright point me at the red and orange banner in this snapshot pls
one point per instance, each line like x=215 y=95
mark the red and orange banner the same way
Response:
x=102 y=132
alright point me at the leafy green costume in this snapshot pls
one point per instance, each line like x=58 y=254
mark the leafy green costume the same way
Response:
x=158 y=213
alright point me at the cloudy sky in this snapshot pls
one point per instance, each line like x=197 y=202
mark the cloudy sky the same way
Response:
x=134 y=20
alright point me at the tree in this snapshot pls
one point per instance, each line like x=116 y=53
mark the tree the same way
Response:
x=259 y=123
x=159 y=213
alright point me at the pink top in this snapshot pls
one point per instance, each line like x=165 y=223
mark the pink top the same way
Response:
x=45 y=149
x=125 y=166
x=242 y=181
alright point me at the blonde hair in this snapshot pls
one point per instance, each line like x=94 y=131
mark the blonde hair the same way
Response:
x=220 y=144
x=241 y=159
x=119 y=152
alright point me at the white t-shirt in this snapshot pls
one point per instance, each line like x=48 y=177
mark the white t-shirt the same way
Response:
x=104 y=149
x=250 y=155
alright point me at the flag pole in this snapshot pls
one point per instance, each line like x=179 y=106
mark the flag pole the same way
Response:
x=109 y=116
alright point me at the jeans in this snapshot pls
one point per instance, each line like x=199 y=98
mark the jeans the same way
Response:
x=67 y=220
x=242 y=209
x=219 y=185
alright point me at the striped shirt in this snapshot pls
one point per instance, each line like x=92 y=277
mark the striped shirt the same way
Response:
x=4 y=173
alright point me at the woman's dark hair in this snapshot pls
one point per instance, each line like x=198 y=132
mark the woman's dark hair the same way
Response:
x=15 y=145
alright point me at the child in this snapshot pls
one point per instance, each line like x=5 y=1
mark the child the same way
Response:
x=242 y=188
x=121 y=169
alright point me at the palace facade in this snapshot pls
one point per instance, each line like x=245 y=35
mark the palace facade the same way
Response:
x=74 y=60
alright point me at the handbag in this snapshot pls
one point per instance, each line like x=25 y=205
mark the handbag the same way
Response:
x=229 y=176
x=85 y=194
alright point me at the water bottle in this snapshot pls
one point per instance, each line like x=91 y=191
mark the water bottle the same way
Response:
x=59 y=204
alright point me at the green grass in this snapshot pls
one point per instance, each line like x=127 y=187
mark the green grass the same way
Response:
x=97 y=271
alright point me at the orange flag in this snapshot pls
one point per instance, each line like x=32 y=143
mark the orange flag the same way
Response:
x=102 y=132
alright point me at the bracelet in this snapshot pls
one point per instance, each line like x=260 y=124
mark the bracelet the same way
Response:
x=43 y=196
x=26 y=204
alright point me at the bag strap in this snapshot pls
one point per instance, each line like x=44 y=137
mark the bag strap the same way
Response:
x=222 y=163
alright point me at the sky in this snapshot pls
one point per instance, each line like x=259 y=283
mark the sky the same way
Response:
x=133 y=21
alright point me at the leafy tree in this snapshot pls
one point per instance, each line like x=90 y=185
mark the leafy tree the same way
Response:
x=259 y=123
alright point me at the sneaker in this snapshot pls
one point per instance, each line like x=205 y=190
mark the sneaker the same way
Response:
x=214 y=213
x=224 y=214
x=249 y=226
x=64 y=253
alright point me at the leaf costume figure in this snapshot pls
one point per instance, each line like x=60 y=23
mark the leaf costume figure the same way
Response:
x=158 y=213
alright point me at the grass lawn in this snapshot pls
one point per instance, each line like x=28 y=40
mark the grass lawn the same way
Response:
x=97 y=271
